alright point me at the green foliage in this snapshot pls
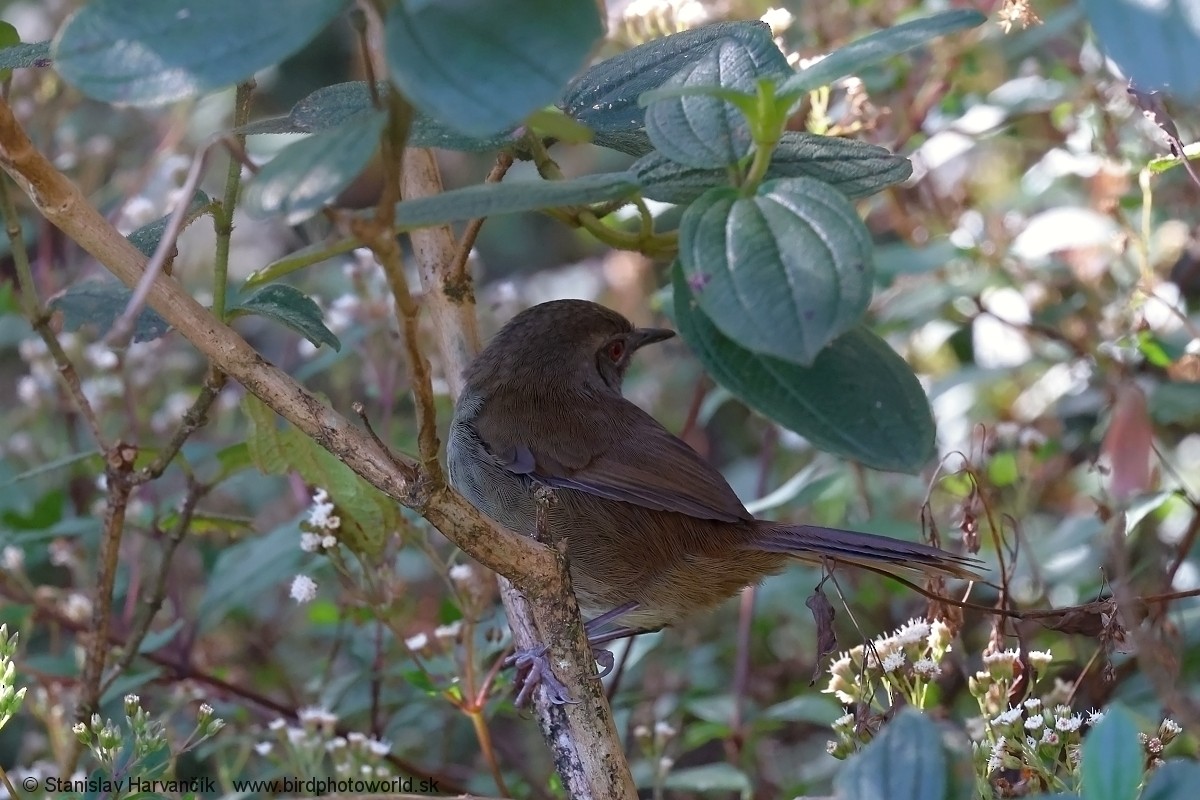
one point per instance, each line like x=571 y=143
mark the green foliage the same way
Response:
x=149 y=52
x=99 y=303
x=907 y=761
x=1152 y=44
x=471 y=63
x=310 y=173
x=857 y=399
x=783 y=272
x=291 y=307
x=1113 y=762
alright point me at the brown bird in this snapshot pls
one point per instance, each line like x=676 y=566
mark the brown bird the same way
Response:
x=654 y=532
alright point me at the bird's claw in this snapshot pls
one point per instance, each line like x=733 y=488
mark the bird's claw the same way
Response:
x=536 y=668
x=605 y=659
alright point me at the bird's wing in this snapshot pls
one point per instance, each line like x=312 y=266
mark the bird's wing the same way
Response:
x=617 y=452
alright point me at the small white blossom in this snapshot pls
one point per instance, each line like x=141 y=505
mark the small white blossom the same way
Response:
x=1034 y=722
x=461 y=573
x=1033 y=704
x=13 y=558
x=1068 y=724
x=310 y=542
x=379 y=747
x=304 y=589
x=994 y=760
x=893 y=661
x=1094 y=717
x=1040 y=659
x=1007 y=717
x=927 y=667
x=844 y=721
x=263 y=748
x=1009 y=657
x=913 y=631
x=320 y=514
x=1049 y=736
x=1030 y=743
x=450 y=631
x=416 y=642
x=1169 y=728
x=779 y=20
x=318 y=715
x=939 y=636
x=329 y=542
x=277 y=724
x=663 y=730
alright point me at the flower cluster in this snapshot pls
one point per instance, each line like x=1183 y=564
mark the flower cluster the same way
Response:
x=322 y=522
x=900 y=667
x=1033 y=745
x=141 y=737
x=313 y=747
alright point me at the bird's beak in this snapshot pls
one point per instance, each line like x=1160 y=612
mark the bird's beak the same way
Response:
x=644 y=336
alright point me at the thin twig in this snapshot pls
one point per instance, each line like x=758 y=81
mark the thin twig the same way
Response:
x=456 y=275
x=123 y=327
x=194 y=418
x=223 y=216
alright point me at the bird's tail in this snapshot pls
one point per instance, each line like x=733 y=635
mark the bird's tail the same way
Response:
x=880 y=553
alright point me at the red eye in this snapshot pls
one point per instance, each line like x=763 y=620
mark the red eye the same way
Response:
x=616 y=350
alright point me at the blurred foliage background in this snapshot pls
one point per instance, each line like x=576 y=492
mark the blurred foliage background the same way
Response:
x=1036 y=274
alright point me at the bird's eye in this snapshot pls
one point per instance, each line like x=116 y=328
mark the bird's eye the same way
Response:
x=615 y=350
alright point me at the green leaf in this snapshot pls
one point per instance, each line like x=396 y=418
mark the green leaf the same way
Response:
x=291 y=307
x=1176 y=404
x=99 y=302
x=907 y=761
x=511 y=197
x=367 y=514
x=701 y=130
x=481 y=66
x=858 y=399
x=877 y=47
x=150 y=52
x=811 y=708
x=330 y=106
x=783 y=272
x=854 y=168
x=9 y=38
x=19 y=56
x=1113 y=763
x=1174 y=780
x=147 y=237
x=306 y=175
x=1153 y=43
x=605 y=97
x=719 y=777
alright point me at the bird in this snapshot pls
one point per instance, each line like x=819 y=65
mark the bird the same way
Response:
x=654 y=533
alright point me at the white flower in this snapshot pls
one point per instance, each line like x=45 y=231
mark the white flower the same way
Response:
x=277 y=724
x=448 y=631
x=329 y=542
x=1040 y=659
x=1033 y=704
x=1030 y=743
x=310 y=542
x=779 y=20
x=318 y=715
x=994 y=762
x=1169 y=728
x=844 y=721
x=1068 y=724
x=913 y=631
x=1007 y=717
x=380 y=747
x=939 y=636
x=320 y=513
x=1001 y=657
x=461 y=573
x=13 y=558
x=416 y=642
x=304 y=589
x=336 y=743
x=893 y=661
x=663 y=730
x=927 y=667
x=263 y=748
x=1034 y=722
x=1094 y=717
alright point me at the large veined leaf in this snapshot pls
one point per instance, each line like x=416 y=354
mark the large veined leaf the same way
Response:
x=783 y=272
x=858 y=399
x=482 y=66
x=877 y=47
x=1154 y=43
x=907 y=761
x=605 y=97
x=149 y=52
x=854 y=168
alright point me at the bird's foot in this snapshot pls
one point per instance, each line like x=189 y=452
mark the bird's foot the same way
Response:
x=533 y=668
x=605 y=659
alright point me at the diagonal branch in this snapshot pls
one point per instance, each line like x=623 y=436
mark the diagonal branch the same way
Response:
x=530 y=565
